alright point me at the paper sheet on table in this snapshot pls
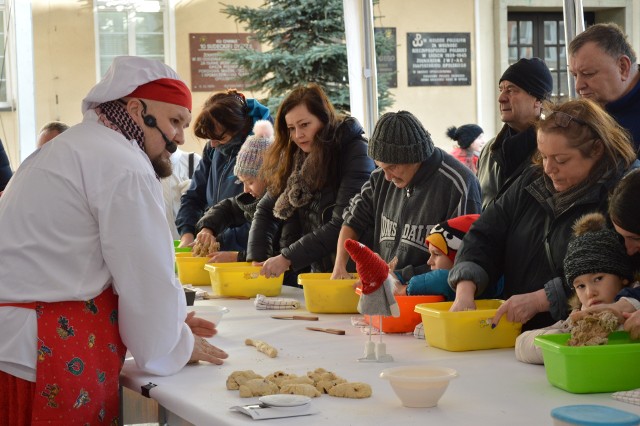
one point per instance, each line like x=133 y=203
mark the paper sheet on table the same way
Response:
x=260 y=412
x=278 y=303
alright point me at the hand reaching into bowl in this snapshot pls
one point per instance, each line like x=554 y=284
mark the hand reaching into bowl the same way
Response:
x=522 y=307
x=224 y=257
x=205 y=244
x=618 y=308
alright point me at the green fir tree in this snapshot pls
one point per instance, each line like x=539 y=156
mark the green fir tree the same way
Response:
x=307 y=44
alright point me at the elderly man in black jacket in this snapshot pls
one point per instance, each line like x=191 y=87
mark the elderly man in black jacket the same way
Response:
x=523 y=87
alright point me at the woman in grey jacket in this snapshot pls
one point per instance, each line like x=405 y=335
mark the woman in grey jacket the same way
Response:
x=317 y=162
x=582 y=154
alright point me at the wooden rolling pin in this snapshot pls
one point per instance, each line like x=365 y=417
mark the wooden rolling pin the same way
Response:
x=327 y=330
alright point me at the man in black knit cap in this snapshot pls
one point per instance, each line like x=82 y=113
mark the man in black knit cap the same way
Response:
x=523 y=87
x=415 y=186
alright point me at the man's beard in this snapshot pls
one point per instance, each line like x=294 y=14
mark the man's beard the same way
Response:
x=162 y=167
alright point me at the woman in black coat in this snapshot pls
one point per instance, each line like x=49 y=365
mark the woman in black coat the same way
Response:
x=582 y=154
x=317 y=162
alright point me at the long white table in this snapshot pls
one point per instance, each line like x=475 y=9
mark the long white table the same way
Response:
x=493 y=388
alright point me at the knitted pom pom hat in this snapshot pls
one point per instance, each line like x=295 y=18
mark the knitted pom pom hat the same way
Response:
x=464 y=135
x=447 y=236
x=595 y=249
x=371 y=269
x=251 y=153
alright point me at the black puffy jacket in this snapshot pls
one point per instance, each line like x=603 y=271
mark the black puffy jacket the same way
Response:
x=321 y=219
x=240 y=210
x=510 y=238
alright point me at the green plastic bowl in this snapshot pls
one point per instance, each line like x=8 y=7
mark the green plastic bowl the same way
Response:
x=177 y=249
x=591 y=369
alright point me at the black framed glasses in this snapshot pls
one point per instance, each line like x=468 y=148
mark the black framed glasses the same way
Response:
x=562 y=119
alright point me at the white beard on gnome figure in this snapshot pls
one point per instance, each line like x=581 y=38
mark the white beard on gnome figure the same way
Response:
x=377 y=294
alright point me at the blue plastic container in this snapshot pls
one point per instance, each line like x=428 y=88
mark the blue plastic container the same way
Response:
x=592 y=415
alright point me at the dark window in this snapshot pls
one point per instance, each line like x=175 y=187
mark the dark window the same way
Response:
x=542 y=35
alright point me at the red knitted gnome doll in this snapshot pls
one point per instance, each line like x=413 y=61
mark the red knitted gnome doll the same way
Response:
x=377 y=285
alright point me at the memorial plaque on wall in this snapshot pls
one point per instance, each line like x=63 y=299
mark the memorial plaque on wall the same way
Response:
x=439 y=59
x=387 y=63
x=209 y=70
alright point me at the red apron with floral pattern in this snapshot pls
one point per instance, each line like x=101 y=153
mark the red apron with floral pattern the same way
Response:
x=80 y=355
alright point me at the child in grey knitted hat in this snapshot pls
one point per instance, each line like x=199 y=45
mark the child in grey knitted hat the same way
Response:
x=239 y=209
x=596 y=265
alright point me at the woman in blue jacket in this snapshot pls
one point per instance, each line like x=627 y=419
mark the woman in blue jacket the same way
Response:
x=226 y=120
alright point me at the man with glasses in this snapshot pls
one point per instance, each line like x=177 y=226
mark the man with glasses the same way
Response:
x=606 y=71
x=523 y=87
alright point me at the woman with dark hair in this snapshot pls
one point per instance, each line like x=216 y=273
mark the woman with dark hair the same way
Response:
x=582 y=154
x=226 y=120
x=317 y=162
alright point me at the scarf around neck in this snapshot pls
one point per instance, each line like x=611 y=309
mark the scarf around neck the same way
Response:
x=114 y=115
x=559 y=202
x=297 y=193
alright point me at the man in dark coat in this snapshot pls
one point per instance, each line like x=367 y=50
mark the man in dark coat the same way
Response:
x=523 y=87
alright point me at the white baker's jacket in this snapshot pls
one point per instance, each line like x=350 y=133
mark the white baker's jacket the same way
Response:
x=84 y=211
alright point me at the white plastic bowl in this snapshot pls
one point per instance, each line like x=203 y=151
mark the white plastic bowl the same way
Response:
x=419 y=386
x=210 y=313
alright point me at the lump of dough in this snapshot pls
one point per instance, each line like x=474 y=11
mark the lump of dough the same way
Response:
x=239 y=377
x=593 y=329
x=258 y=387
x=300 y=389
x=278 y=377
x=351 y=390
x=263 y=347
x=296 y=380
x=324 y=385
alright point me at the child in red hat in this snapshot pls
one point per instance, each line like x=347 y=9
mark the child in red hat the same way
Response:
x=443 y=242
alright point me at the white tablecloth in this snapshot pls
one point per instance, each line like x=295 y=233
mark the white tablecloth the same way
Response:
x=493 y=388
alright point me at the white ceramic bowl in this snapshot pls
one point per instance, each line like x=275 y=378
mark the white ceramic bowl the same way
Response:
x=419 y=386
x=210 y=313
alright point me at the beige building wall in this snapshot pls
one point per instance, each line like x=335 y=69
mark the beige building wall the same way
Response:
x=65 y=56
x=437 y=107
x=202 y=16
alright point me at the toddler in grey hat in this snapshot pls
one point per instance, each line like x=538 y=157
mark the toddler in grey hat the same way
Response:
x=597 y=267
x=241 y=208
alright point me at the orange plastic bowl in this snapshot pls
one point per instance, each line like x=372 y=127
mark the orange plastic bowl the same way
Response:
x=408 y=318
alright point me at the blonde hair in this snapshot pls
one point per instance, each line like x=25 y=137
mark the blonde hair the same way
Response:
x=590 y=127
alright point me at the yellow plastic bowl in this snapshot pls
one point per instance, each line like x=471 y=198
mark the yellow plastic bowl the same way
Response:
x=326 y=296
x=467 y=330
x=191 y=269
x=241 y=279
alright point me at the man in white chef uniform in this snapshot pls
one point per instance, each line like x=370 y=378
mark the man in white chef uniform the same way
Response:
x=86 y=256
